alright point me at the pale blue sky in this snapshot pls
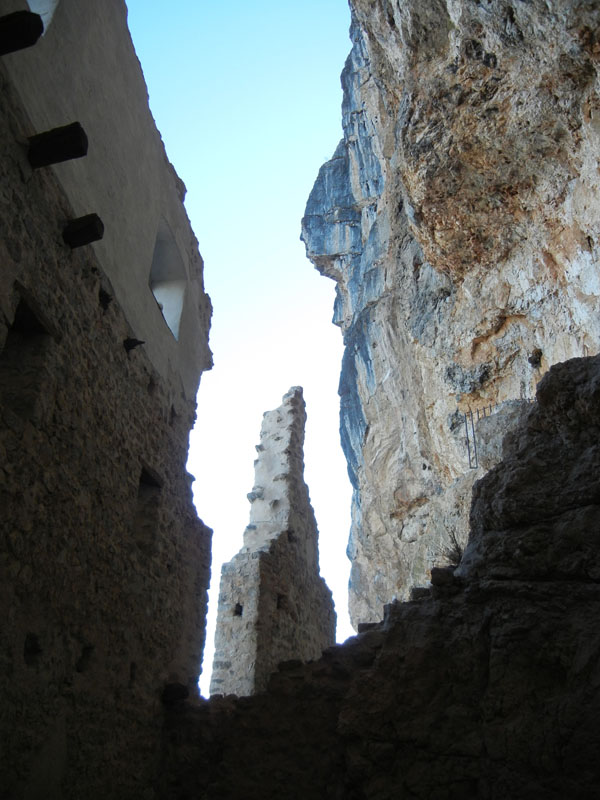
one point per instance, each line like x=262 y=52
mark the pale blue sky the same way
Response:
x=247 y=98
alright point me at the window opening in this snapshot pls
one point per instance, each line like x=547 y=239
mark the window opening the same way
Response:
x=168 y=278
x=22 y=362
x=104 y=298
x=145 y=527
x=282 y=602
x=83 y=663
x=32 y=649
x=45 y=8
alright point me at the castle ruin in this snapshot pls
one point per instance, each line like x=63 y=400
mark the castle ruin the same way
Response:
x=459 y=220
x=273 y=605
x=105 y=564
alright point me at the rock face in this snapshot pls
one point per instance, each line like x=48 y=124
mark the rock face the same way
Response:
x=535 y=516
x=273 y=605
x=459 y=218
x=485 y=687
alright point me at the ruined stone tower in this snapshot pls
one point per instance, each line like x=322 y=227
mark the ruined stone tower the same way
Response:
x=273 y=605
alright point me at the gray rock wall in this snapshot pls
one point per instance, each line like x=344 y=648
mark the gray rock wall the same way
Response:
x=459 y=219
x=104 y=565
x=273 y=605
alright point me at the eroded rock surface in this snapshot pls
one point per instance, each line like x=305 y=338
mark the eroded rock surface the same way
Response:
x=273 y=604
x=459 y=218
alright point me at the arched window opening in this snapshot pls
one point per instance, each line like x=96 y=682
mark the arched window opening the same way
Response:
x=167 y=278
x=45 y=8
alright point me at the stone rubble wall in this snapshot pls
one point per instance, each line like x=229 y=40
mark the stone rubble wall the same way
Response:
x=104 y=563
x=486 y=686
x=273 y=605
x=459 y=218
x=85 y=69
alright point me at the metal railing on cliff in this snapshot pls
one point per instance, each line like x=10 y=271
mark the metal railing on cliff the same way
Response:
x=470 y=437
x=470 y=418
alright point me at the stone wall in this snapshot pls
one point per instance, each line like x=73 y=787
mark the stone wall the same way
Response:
x=104 y=563
x=273 y=605
x=485 y=687
x=87 y=51
x=459 y=219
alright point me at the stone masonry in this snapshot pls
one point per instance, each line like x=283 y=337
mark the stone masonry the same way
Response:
x=273 y=605
x=104 y=564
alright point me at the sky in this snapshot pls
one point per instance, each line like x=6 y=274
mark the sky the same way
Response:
x=247 y=98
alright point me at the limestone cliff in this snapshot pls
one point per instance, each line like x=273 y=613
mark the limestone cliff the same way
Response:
x=273 y=605
x=459 y=219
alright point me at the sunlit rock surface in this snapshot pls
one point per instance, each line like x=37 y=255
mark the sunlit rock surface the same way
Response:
x=460 y=220
x=273 y=604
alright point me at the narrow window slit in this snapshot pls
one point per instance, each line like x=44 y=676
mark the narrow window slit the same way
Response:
x=83 y=663
x=282 y=602
x=146 y=521
x=32 y=649
x=104 y=298
x=22 y=362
